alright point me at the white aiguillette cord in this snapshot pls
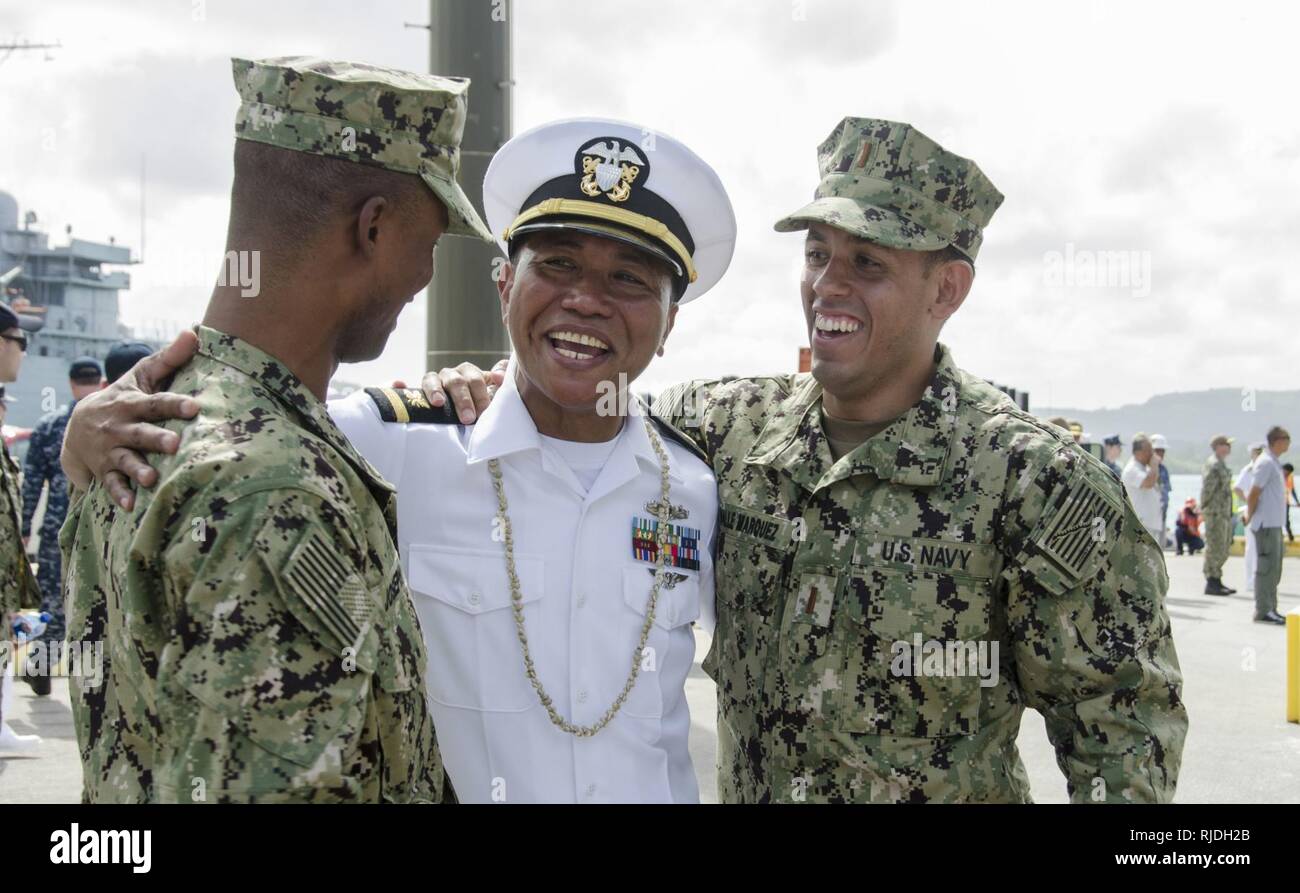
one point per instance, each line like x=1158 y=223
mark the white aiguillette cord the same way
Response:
x=517 y=598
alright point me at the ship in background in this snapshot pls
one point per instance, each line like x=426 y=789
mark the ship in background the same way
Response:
x=70 y=287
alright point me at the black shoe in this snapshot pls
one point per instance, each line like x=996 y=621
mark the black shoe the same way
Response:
x=1213 y=586
x=41 y=684
x=1272 y=617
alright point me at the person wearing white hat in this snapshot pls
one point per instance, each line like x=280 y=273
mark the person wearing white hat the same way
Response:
x=1241 y=489
x=559 y=548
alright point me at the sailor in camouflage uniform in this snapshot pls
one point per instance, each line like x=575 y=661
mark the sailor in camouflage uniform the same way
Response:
x=41 y=466
x=260 y=641
x=18 y=587
x=892 y=593
x=1216 y=511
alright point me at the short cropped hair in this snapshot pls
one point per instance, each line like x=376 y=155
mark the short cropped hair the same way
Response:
x=283 y=192
x=932 y=259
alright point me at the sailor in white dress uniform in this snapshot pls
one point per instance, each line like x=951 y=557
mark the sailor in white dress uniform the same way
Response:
x=585 y=517
x=574 y=509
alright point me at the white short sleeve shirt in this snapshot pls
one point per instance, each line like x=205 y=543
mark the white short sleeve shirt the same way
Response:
x=1270 y=508
x=1146 y=502
x=585 y=584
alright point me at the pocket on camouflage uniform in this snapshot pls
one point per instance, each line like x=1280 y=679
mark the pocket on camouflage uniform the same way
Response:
x=750 y=587
x=288 y=670
x=754 y=573
x=293 y=702
x=913 y=647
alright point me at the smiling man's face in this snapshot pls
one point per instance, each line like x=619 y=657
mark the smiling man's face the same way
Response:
x=580 y=310
x=870 y=310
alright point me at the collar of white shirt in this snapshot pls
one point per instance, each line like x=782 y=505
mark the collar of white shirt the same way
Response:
x=506 y=427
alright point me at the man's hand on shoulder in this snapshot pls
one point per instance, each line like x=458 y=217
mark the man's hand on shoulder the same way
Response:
x=108 y=431
x=470 y=388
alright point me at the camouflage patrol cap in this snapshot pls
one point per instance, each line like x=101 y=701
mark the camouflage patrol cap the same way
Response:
x=1221 y=440
x=891 y=184
x=405 y=122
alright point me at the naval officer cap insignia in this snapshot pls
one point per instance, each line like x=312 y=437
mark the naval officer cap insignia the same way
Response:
x=891 y=184
x=620 y=181
x=405 y=122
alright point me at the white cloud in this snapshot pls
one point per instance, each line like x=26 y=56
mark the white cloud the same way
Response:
x=1157 y=128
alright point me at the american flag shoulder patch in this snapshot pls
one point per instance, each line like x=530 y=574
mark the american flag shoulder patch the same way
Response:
x=334 y=591
x=1080 y=526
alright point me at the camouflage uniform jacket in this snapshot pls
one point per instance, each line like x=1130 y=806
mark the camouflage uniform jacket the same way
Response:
x=41 y=465
x=1216 y=489
x=260 y=641
x=966 y=521
x=18 y=589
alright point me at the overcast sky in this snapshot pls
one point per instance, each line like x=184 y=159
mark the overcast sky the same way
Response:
x=1163 y=131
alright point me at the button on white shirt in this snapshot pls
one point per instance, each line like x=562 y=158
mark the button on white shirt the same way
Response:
x=584 y=596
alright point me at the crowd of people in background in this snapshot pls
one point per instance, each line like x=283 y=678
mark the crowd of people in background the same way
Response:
x=1264 y=491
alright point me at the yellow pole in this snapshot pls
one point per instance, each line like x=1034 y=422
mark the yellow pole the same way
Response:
x=1293 y=665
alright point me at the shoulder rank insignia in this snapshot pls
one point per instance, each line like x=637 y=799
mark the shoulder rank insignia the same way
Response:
x=409 y=405
x=1081 y=524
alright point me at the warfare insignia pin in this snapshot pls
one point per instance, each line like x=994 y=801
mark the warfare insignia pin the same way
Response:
x=675 y=512
x=671 y=579
x=610 y=166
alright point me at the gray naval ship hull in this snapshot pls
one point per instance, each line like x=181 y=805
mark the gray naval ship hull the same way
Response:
x=73 y=290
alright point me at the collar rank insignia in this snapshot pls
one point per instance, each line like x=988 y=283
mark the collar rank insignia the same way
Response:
x=683 y=544
x=671 y=578
x=610 y=166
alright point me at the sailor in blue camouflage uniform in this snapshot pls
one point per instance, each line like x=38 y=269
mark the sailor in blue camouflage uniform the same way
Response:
x=41 y=467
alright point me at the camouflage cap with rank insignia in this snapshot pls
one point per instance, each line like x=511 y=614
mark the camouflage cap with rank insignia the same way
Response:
x=891 y=184
x=405 y=122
